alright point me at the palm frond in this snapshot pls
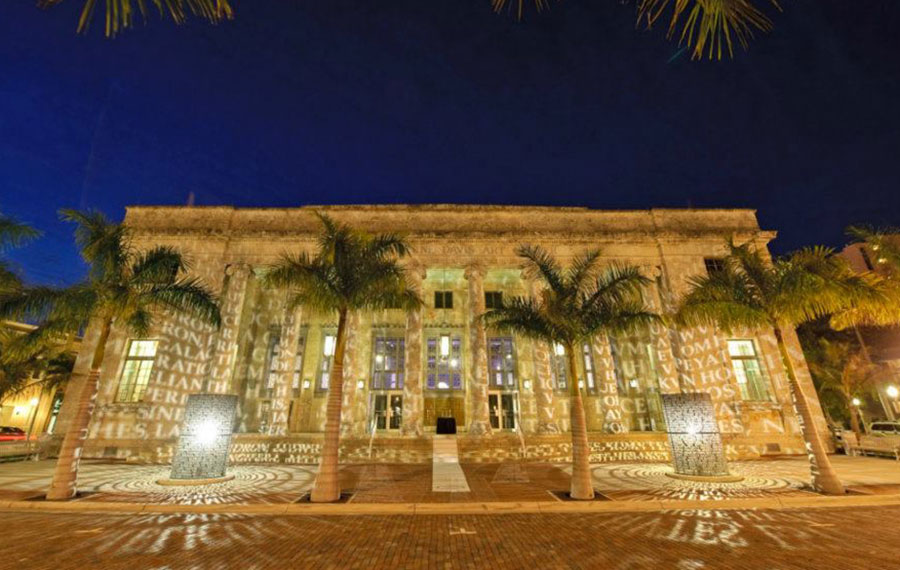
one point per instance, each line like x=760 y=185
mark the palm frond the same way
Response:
x=583 y=270
x=524 y=316
x=158 y=265
x=710 y=27
x=500 y=5
x=104 y=245
x=120 y=14
x=540 y=264
x=14 y=233
x=183 y=296
x=617 y=283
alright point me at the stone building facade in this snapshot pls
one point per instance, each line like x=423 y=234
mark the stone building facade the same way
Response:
x=403 y=371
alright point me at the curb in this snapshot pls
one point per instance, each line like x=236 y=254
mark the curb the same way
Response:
x=497 y=508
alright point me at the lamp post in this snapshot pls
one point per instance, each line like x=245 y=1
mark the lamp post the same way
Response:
x=856 y=404
x=893 y=393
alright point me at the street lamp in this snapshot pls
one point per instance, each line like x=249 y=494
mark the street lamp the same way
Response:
x=892 y=391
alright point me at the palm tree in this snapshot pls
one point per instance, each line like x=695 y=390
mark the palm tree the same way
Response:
x=350 y=271
x=44 y=362
x=12 y=234
x=120 y=13
x=125 y=288
x=576 y=304
x=844 y=371
x=751 y=292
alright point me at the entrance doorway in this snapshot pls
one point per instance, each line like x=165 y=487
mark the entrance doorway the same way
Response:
x=503 y=410
x=388 y=411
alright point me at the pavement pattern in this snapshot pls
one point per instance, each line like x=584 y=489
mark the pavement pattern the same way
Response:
x=819 y=539
x=415 y=483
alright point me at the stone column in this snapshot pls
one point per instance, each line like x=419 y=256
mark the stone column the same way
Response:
x=413 y=400
x=664 y=340
x=479 y=423
x=281 y=399
x=544 y=390
x=607 y=387
x=223 y=353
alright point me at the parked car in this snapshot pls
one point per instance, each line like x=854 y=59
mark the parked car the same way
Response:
x=884 y=428
x=9 y=433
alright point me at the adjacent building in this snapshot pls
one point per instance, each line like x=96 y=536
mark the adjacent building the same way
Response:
x=882 y=344
x=403 y=371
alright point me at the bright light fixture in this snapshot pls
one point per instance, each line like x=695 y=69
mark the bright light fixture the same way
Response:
x=445 y=345
x=329 y=345
x=856 y=401
x=206 y=433
x=892 y=391
x=306 y=384
x=360 y=385
x=634 y=383
x=454 y=362
x=559 y=348
x=443 y=385
x=34 y=401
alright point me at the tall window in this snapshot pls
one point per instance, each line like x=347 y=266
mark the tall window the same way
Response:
x=443 y=365
x=443 y=299
x=272 y=356
x=136 y=372
x=714 y=265
x=747 y=370
x=388 y=365
x=298 y=365
x=590 y=380
x=558 y=366
x=328 y=342
x=493 y=299
x=502 y=362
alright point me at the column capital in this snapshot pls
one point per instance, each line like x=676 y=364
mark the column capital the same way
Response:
x=474 y=270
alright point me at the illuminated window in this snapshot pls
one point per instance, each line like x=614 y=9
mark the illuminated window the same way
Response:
x=136 y=372
x=298 y=365
x=388 y=363
x=747 y=370
x=493 y=299
x=589 y=376
x=501 y=363
x=443 y=299
x=558 y=366
x=328 y=343
x=443 y=362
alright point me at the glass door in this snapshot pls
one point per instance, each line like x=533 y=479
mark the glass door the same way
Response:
x=388 y=417
x=502 y=407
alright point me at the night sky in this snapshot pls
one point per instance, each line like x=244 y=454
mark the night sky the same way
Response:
x=299 y=102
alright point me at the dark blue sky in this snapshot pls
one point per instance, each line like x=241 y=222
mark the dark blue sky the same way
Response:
x=298 y=102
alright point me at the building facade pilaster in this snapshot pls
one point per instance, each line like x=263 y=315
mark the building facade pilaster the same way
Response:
x=479 y=423
x=413 y=398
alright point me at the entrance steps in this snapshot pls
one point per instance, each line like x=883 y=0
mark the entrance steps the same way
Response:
x=446 y=474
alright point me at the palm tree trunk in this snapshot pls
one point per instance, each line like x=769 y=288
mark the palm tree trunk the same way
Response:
x=65 y=475
x=824 y=478
x=327 y=488
x=581 y=486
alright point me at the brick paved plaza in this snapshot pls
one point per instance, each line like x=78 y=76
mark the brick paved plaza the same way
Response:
x=681 y=540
